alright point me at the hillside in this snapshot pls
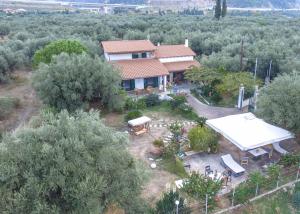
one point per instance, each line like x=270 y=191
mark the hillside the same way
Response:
x=264 y=3
x=206 y=3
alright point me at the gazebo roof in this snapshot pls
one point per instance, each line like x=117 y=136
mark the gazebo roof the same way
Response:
x=247 y=131
x=139 y=121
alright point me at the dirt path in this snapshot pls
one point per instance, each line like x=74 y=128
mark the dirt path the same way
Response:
x=20 y=87
x=141 y=148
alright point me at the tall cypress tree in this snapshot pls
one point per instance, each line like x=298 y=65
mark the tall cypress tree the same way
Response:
x=224 y=8
x=218 y=9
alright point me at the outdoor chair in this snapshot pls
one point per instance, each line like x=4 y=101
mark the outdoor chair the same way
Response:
x=208 y=170
x=279 y=149
x=245 y=161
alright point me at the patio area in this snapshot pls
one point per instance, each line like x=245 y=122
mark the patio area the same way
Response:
x=199 y=161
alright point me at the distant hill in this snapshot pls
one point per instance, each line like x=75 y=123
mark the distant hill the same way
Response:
x=204 y=3
x=264 y=3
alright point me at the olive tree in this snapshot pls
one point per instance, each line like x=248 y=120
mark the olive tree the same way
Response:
x=72 y=81
x=55 y=48
x=279 y=102
x=67 y=164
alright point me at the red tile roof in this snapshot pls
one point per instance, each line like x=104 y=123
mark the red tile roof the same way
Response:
x=180 y=66
x=165 y=51
x=141 y=68
x=127 y=46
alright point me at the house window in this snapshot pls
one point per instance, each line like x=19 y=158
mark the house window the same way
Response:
x=144 y=55
x=152 y=81
x=128 y=85
x=135 y=56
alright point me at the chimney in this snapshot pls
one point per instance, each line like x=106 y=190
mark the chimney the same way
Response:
x=186 y=42
x=158 y=44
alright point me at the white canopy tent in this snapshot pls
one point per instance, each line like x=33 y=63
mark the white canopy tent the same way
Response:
x=139 y=121
x=139 y=125
x=247 y=131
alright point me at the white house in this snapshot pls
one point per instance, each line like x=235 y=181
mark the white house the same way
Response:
x=143 y=64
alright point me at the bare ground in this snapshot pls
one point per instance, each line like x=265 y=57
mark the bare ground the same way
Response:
x=141 y=148
x=20 y=87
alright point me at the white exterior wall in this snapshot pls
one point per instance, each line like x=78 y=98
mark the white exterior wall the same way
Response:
x=177 y=59
x=139 y=83
x=115 y=57
x=127 y=56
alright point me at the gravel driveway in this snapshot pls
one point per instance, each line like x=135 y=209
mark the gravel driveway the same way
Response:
x=210 y=112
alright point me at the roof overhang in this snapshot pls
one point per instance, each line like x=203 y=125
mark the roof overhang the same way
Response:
x=247 y=131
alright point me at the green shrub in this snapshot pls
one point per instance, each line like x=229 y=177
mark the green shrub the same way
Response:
x=7 y=104
x=177 y=101
x=203 y=139
x=135 y=104
x=244 y=192
x=133 y=115
x=130 y=103
x=55 y=48
x=290 y=160
x=141 y=103
x=296 y=200
x=198 y=186
x=167 y=204
x=201 y=121
x=185 y=109
x=158 y=143
x=152 y=100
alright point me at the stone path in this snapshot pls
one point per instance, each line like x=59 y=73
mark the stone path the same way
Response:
x=210 y=112
x=160 y=124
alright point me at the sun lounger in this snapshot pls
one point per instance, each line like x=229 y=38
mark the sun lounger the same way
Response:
x=279 y=149
x=228 y=162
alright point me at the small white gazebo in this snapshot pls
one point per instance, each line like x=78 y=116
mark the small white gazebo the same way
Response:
x=139 y=125
x=248 y=132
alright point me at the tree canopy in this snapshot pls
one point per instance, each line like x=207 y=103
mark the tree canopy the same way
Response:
x=72 y=81
x=279 y=102
x=67 y=164
x=55 y=48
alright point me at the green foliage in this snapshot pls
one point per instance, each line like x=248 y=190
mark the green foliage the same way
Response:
x=158 y=143
x=133 y=104
x=177 y=101
x=198 y=186
x=231 y=83
x=4 y=30
x=133 y=115
x=7 y=105
x=201 y=121
x=203 y=75
x=174 y=165
x=55 y=48
x=67 y=164
x=175 y=129
x=167 y=204
x=72 y=81
x=152 y=100
x=244 y=192
x=247 y=189
x=290 y=160
x=279 y=102
x=203 y=139
x=296 y=200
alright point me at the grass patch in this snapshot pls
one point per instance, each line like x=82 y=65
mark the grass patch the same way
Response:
x=7 y=105
x=173 y=167
x=278 y=203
